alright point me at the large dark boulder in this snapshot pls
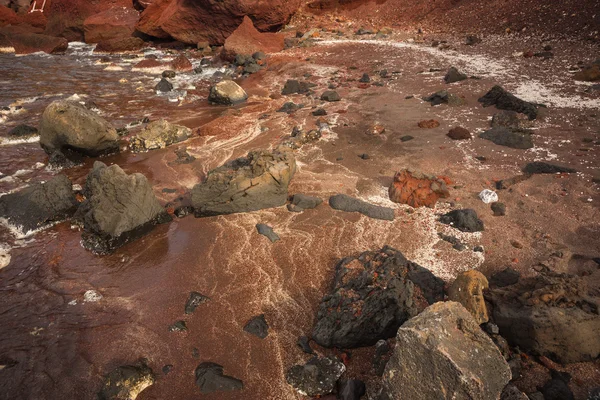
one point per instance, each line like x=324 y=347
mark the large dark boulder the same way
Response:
x=252 y=183
x=118 y=209
x=72 y=130
x=504 y=100
x=39 y=205
x=372 y=295
x=551 y=314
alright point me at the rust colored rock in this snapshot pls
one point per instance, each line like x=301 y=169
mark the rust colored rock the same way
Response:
x=429 y=124
x=31 y=22
x=212 y=20
x=119 y=45
x=459 y=133
x=8 y=16
x=182 y=64
x=417 y=189
x=114 y=23
x=149 y=63
x=27 y=43
x=467 y=289
x=247 y=40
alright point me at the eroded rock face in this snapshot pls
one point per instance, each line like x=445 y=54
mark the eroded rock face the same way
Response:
x=252 y=183
x=467 y=289
x=373 y=295
x=71 y=129
x=114 y=23
x=211 y=20
x=315 y=378
x=227 y=93
x=417 y=189
x=247 y=40
x=126 y=383
x=550 y=314
x=118 y=209
x=443 y=354
x=40 y=204
x=158 y=135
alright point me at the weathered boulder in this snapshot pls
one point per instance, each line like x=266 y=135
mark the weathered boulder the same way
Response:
x=252 y=183
x=210 y=379
x=163 y=86
x=119 y=45
x=257 y=326
x=315 y=378
x=459 y=133
x=551 y=314
x=227 y=93
x=372 y=295
x=71 y=129
x=330 y=96
x=465 y=220
x=246 y=39
x=516 y=139
x=118 y=209
x=443 y=354
x=110 y=24
x=212 y=21
x=39 y=205
x=417 y=189
x=346 y=203
x=126 y=383
x=158 y=135
x=504 y=100
x=467 y=289
x=293 y=86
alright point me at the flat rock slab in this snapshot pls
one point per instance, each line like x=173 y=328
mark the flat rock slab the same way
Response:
x=540 y=167
x=350 y=204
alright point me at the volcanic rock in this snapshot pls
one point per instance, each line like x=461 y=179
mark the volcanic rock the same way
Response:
x=194 y=301
x=417 y=189
x=246 y=39
x=331 y=96
x=126 y=383
x=504 y=100
x=464 y=220
x=557 y=388
x=71 y=129
x=365 y=78
x=459 y=133
x=441 y=354
x=508 y=137
x=227 y=93
x=268 y=232
x=373 y=294
x=257 y=326
x=39 y=205
x=454 y=75
x=540 y=167
x=163 y=86
x=113 y=23
x=252 y=183
x=119 y=45
x=118 y=209
x=210 y=379
x=346 y=203
x=467 y=289
x=158 y=135
x=506 y=277
x=315 y=378
x=550 y=314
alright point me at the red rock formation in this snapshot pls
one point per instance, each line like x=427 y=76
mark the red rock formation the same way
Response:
x=182 y=64
x=114 y=23
x=36 y=20
x=119 y=45
x=417 y=189
x=246 y=39
x=212 y=20
x=25 y=42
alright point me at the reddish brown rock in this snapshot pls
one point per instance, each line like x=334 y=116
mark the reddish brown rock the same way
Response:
x=150 y=64
x=459 y=133
x=590 y=73
x=8 y=16
x=246 y=39
x=428 y=124
x=120 y=45
x=32 y=22
x=27 y=43
x=114 y=23
x=182 y=64
x=212 y=20
x=417 y=189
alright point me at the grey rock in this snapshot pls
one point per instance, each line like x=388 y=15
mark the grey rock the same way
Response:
x=504 y=100
x=227 y=93
x=163 y=86
x=304 y=202
x=351 y=389
x=257 y=326
x=498 y=208
x=511 y=392
x=365 y=78
x=346 y=203
x=158 y=135
x=267 y=231
x=210 y=379
x=22 y=131
x=507 y=119
x=540 y=167
x=454 y=75
x=464 y=220
x=331 y=96
x=508 y=137
x=315 y=378
x=443 y=354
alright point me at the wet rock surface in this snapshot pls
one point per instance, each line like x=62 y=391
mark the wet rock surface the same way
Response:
x=373 y=294
x=159 y=134
x=315 y=378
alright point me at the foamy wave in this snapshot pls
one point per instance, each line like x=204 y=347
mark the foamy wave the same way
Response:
x=4 y=255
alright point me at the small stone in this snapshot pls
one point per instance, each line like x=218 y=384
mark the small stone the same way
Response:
x=267 y=231
x=194 y=301
x=406 y=138
x=167 y=368
x=364 y=156
x=429 y=124
x=164 y=86
x=365 y=78
x=319 y=112
x=169 y=74
x=459 y=133
x=179 y=326
x=330 y=96
x=257 y=326
x=499 y=209
x=317 y=377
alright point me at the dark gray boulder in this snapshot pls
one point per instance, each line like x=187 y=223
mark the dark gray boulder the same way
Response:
x=454 y=75
x=464 y=220
x=516 y=139
x=163 y=86
x=210 y=379
x=39 y=205
x=257 y=326
x=317 y=377
x=252 y=183
x=301 y=202
x=293 y=86
x=118 y=209
x=350 y=204
x=372 y=296
x=504 y=100
x=540 y=167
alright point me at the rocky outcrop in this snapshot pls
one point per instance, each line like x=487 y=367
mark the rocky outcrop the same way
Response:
x=551 y=314
x=227 y=93
x=118 y=209
x=39 y=205
x=73 y=131
x=372 y=296
x=346 y=203
x=504 y=100
x=158 y=135
x=417 y=189
x=24 y=42
x=210 y=379
x=211 y=20
x=114 y=23
x=315 y=378
x=247 y=40
x=252 y=183
x=467 y=289
x=126 y=383
x=443 y=354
